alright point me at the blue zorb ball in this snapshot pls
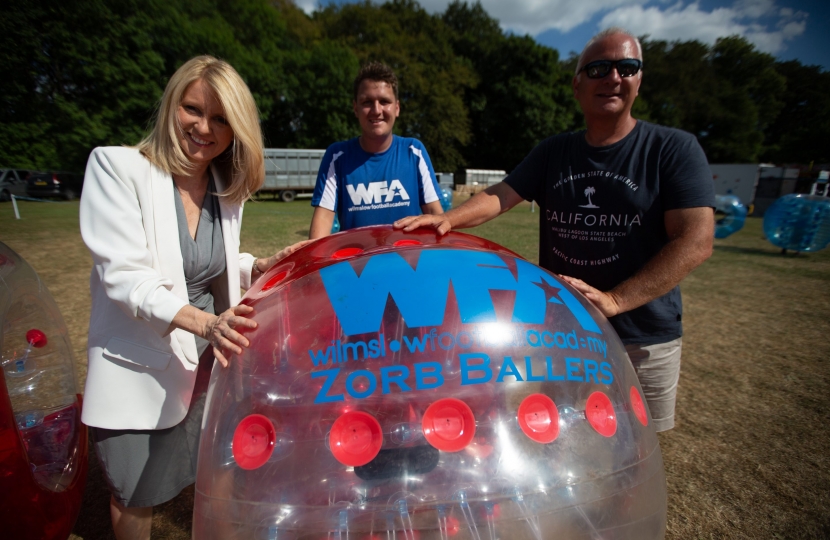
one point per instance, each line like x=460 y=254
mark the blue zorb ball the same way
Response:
x=730 y=215
x=799 y=222
x=446 y=198
x=408 y=386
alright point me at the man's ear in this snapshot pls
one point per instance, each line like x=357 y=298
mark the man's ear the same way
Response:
x=354 y=108
x=575 y=85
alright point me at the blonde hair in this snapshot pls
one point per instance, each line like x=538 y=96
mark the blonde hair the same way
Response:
x=243 y=162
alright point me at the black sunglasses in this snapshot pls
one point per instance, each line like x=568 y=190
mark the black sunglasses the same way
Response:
x=627 y=67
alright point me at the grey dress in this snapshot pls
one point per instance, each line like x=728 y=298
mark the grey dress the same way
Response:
x=203 y=257
x=150 y=467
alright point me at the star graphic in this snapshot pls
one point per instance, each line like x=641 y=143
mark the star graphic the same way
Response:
x=550 y=291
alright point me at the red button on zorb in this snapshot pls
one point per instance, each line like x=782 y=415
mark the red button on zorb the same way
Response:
x=36 y=338
x=274 y=280
x=449 y=425
x=601 y=414
x=345 y=253
x=253 y=441
x=355 y=438
x=638 y=406
x=539 y=418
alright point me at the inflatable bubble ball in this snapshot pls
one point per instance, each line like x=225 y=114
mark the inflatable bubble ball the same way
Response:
x=730 y=215
x=43 y=444
x=445 y=196
x=408 y=386
x=799 y=222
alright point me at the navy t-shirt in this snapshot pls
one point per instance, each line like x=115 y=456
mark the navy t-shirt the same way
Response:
x=602 y=211
x=375 y=189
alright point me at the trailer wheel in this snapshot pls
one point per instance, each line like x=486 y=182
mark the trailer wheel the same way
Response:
x=287 y=195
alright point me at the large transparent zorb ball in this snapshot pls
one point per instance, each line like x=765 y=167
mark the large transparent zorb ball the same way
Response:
x=799 y=222
x=412 y=387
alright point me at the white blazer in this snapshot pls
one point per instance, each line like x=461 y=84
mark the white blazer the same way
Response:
x=139 y=375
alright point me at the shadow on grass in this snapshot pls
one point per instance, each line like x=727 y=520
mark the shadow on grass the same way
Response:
x=94 y=519
x=171 y=520
x=762 y=252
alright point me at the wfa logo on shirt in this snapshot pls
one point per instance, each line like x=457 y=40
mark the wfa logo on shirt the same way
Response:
x=421 y=293
x=377 y=192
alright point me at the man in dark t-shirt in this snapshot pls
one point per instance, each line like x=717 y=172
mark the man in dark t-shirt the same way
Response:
x=627 y=213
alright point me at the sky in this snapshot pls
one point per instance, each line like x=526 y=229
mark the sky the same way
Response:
x=787 y=29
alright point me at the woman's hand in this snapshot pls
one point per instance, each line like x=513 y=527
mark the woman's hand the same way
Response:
x=262 y=265
x=222 y=332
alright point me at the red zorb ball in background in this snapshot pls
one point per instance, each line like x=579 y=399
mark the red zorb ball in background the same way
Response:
x=407 y=386
x=43 y=444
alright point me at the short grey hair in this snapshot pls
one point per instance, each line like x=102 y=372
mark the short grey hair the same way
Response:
x=613 y=31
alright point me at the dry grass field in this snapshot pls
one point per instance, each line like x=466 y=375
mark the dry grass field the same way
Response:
x=750 y=456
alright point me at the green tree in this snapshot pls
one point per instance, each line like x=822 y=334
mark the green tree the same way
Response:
x=432 y=80
x=749 y=94
x=88 y=76
x=799 y=132
x=82 y=73
x=726 y=94
x=249 y=34
x=573 y=118
x=92 y=73
x=521 y=95
x=316 y=108
x=679 y=87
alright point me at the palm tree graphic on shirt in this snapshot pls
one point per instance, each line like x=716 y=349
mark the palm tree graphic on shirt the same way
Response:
x=588 y=192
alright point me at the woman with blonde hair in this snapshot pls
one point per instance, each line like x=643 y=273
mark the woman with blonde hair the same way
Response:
x=162 y=221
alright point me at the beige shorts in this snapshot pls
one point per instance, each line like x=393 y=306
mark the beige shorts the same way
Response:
x=658 y=368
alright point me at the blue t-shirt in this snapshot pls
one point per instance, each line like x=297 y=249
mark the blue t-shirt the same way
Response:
x=603 y=210
x=375 y=189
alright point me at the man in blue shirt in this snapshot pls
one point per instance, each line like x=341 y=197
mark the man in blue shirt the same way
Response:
x=376 y=178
